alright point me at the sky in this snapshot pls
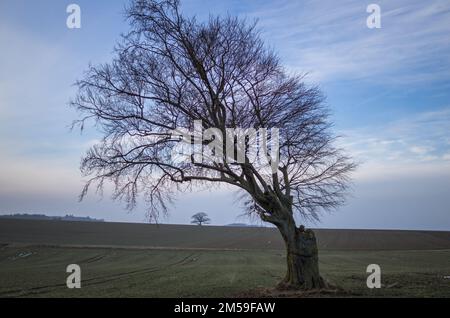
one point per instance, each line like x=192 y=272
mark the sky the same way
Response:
x=388 y=89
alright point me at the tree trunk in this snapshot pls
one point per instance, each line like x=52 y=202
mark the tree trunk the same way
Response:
x=302 y=259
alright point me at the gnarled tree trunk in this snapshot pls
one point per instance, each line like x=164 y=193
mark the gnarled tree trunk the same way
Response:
x=302 y=258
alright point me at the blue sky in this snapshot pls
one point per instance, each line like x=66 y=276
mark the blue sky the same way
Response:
x=388 y=88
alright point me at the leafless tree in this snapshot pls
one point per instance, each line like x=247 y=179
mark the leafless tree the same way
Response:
x=200 y=218
x=171 y=70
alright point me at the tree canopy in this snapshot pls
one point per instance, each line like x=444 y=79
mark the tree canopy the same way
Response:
x=170 y=71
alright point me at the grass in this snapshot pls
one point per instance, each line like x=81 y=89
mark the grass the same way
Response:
x=114 y=272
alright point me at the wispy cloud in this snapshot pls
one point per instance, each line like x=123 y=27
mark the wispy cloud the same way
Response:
x=330 y=39
x=417 y=144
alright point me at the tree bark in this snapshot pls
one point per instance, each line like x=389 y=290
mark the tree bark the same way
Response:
x=302 y=259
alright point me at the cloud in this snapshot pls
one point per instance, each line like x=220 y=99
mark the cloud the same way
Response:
x=330 y=39
x=416 y=199
x=420 y=150
x=414 y=145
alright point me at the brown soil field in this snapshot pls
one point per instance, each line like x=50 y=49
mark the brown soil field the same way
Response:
x=135 y=235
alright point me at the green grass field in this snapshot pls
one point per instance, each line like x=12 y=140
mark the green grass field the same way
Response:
x=112 y=272
x=143 y=260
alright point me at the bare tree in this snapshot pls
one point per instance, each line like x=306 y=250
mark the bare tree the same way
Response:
x=171 y=70
x=200 y=218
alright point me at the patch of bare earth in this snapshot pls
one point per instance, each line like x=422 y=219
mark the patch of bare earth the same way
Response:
x=277 y=293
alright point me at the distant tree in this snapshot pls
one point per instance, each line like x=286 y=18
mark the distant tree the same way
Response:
x=200 y=218
x=170 y=71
